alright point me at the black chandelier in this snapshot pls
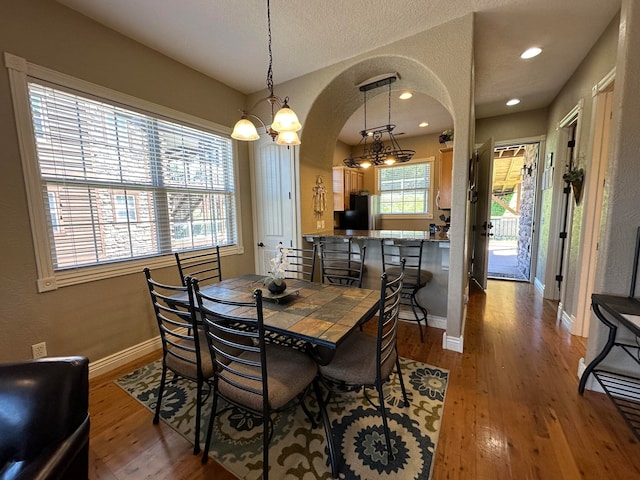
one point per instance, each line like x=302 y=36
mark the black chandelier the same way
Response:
x=372 y=145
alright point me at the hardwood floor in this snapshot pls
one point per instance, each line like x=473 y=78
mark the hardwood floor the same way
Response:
x=512 y=409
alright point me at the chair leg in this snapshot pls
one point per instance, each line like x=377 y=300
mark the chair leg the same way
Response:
x=404 y=391
x=327 y=429
x=196 y=444
x=385 y=425
x=414 y=304
x=266 y=436
x=163 y=378
x=214 y=408
x=305 y=409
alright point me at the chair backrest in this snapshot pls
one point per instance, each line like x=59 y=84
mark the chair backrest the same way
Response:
x=302 y=262
x=341 y=262
x=178 y=326
x=388 y=311
x=393 y=252
x=234 y=329
x=205 y=265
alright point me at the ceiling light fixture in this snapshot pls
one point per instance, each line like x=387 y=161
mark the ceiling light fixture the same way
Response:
x=284 y=123
x=423 y=124
x=531 y=52
x=405 y=95
x=513 y=101
x=377 y=153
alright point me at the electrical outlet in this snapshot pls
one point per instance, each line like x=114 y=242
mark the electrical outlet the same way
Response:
x=39 y=350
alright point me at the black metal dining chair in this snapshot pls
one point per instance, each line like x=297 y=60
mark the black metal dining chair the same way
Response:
x=301 y=262
x=367 y=361
x=254 y=375
x=203 y=264
x=342 y=263
x=184 y=347
x=415 y=277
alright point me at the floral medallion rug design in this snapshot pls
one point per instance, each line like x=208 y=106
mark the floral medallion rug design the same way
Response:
x=299 y=452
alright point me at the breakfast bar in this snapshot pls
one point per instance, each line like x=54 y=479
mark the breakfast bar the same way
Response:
x=435 y=259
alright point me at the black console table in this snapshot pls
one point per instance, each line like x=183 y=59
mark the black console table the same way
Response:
x=622 y=389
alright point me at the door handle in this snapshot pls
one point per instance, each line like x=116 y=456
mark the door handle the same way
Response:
x=261 y=244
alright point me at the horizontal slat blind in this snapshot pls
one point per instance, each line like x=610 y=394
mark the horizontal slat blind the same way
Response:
x=405 y=189
x=119 y=184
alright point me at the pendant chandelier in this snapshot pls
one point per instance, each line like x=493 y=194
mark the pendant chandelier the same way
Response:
x=372 y=145
x=284 y=123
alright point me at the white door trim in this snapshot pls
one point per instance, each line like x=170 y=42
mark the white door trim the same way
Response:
x=593 y=195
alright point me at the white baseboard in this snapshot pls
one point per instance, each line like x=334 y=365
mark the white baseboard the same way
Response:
x=455 y=344
x=538 y=286
x=105 y=365
x=433 y=321
x=567 y=321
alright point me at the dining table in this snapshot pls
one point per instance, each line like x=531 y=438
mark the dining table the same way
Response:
x=315 y=315
x=309 y=315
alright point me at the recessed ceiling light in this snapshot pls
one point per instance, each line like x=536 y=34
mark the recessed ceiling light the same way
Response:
x=406 y=95
x=424 y=124
x=531 y=52
x=513 y=101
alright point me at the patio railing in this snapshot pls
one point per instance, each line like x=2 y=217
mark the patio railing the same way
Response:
x=505 y=228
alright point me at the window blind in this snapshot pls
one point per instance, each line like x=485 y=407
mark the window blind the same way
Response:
x=405 y=189
x=119 y=184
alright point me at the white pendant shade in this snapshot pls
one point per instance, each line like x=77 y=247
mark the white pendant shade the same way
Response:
x=245 y=130
x=288 y=138
x=286 y=121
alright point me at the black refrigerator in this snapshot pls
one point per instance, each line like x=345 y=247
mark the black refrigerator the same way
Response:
x=360 y=215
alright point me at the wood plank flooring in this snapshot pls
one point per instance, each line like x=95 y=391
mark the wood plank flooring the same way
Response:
x=512 y=409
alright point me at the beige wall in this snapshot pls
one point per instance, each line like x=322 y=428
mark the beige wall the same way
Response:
x=577 y=91
x=621 y=216
x=512 y=127
x=99 y=318
x=325 y=99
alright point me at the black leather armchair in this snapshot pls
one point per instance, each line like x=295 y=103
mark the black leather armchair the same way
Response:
x=44 y=419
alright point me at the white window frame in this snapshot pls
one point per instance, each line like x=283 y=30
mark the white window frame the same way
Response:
x=49 y=279
x=411 y=216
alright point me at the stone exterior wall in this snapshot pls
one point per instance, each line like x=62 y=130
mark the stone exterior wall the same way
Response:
x=527 y=205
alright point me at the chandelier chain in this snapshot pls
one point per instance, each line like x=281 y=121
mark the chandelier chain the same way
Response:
x=389 y=122
x=270 y=70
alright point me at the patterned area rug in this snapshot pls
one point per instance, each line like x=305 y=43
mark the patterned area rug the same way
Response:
x=296 y=450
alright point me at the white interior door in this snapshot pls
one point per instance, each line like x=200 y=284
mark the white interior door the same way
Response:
x=482 y=221
x=273 y=202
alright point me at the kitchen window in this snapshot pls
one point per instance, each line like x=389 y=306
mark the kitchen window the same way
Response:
x=129 y=181
x=406 y=189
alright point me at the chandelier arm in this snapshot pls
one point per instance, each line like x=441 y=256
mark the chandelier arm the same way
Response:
x=247 y=114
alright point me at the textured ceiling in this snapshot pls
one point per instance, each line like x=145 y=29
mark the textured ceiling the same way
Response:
x=226 y=39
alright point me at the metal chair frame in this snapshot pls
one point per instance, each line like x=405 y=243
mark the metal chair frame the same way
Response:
x=204 y=265
x=341 y=263
x=180 y=334
x=386 y=349
x=302 y=262
x=411 y=252
x=243 y=366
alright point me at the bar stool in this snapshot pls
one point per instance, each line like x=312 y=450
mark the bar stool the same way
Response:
x=393 y=252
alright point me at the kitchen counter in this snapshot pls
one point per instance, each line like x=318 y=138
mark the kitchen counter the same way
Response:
x=381 y=235
x=435 y=259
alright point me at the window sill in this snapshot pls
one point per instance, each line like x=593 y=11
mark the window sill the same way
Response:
x=65 y=278
x=406 y=216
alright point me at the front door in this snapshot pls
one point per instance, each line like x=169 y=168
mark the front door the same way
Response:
x=274 y=202
x=482 y=222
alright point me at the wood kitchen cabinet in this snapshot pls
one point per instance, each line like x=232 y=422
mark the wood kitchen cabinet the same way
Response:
x=443 y=200
x=345 y=182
